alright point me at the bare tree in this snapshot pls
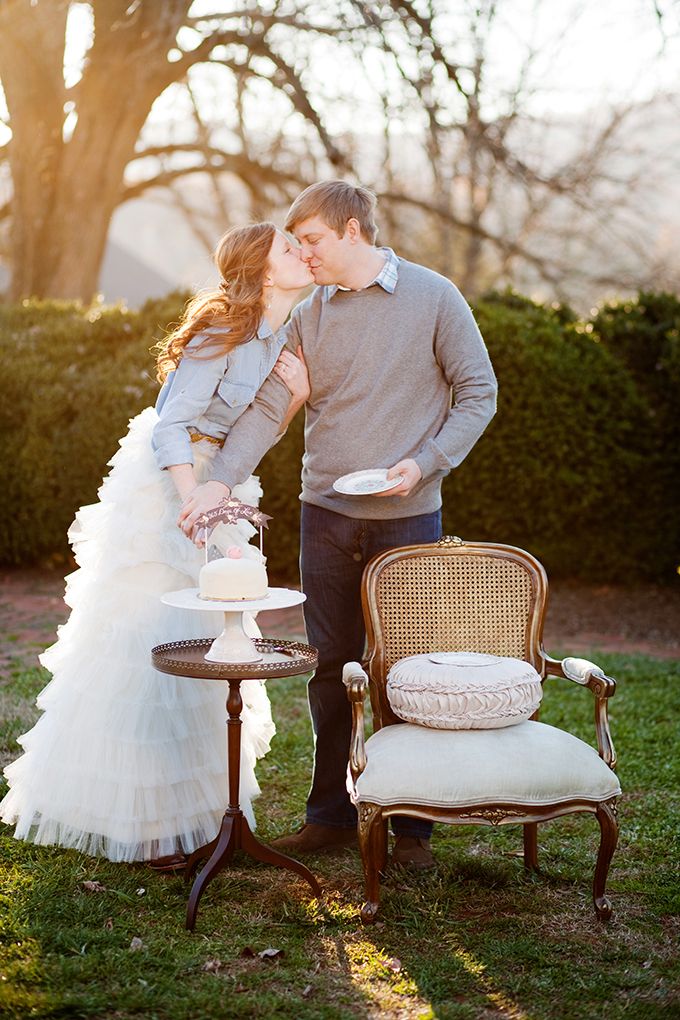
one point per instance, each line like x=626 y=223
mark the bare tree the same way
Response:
x=67 y=180
x=522 y=195
x=489 y=193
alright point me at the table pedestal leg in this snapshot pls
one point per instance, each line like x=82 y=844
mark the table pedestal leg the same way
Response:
x=235 y=833
x=268 y=855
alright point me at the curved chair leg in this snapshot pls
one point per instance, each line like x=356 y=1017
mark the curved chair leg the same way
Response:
x=531 y=846
x=373 y=846
x=609 y=835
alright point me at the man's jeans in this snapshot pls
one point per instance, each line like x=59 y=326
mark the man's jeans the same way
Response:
x=334 y=551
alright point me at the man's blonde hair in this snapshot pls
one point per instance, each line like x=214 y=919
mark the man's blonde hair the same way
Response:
x=336 y=202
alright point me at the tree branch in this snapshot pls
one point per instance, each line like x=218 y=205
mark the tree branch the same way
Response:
x=237 y=164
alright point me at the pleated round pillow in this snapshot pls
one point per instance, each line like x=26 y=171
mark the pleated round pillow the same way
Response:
x=463 y=690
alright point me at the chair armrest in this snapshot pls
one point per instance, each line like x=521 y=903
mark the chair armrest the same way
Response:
x=355 y=679
x=587 y=674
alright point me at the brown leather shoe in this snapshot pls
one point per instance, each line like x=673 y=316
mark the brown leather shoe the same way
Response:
x=173 y=863
x=313 y=838
x=413 y=853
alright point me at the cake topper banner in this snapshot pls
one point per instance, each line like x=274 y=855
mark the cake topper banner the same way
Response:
x=229 y=511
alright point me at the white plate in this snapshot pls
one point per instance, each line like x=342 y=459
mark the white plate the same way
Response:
x=276 y=598
x=463 y=659
x=366 y=483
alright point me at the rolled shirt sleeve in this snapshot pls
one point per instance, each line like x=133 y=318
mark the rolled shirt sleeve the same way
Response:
x=464 y=361
x=192 y=388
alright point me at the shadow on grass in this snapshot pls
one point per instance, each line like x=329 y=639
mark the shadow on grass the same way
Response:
x=479 y=939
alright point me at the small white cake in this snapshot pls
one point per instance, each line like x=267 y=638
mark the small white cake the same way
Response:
x=234 y=578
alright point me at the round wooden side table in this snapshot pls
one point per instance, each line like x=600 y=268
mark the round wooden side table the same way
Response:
x=279 y=658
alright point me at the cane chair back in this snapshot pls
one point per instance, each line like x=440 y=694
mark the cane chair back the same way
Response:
x=450 y=596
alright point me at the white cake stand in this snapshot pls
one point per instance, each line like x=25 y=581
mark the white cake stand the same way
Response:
x=233 y=644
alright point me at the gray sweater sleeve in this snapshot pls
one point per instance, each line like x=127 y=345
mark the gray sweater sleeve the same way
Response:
x=463 y=358
x=258 y=428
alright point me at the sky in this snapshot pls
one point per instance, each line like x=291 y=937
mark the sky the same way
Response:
x=589 y=52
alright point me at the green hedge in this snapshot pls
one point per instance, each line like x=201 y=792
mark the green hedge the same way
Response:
x=580 y=465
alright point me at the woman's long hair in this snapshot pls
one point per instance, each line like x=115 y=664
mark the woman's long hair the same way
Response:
x=235 y=306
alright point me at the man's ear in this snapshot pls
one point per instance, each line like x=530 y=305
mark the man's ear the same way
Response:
x=353 y=230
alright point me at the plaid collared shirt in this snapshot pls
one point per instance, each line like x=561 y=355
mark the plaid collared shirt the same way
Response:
x=386 y=278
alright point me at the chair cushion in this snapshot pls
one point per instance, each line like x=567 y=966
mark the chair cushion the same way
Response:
x=463 y=690
x=531 y=764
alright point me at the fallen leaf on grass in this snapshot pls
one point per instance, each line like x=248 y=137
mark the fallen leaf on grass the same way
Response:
x=212 y=966
x=108 y=924
x=271 y=954
x=393 y=964
x=90 y=886
x=136 y=944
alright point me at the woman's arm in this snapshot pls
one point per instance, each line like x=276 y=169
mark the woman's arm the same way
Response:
x=183 y=478
x=292 y=371
x=194 y=384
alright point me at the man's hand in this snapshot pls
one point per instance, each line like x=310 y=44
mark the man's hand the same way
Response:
x=411 y=474
x=199 y=501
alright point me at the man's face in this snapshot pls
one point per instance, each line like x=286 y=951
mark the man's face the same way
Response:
x=327 y=255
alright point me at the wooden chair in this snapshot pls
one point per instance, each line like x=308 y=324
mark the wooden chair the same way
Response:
x=477 y=597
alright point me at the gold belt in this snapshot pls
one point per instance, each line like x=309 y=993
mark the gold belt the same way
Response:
x=197 y=437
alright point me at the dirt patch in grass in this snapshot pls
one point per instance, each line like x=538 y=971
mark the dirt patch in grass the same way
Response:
x=581 y=618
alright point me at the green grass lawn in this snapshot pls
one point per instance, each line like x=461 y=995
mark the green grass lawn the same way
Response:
x=479 y=940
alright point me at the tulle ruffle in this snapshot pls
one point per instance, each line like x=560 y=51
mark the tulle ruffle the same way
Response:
x=126 y=762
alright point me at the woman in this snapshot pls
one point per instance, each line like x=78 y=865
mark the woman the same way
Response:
x=125 y=762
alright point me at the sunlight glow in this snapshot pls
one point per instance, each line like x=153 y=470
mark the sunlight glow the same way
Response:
x=612 y=51
x=495 y=995
x=79 y=38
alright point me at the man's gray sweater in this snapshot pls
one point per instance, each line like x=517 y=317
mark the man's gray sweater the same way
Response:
x=382 y=367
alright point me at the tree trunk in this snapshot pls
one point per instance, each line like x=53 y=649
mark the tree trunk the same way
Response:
x=66 y=190
x=31 y=58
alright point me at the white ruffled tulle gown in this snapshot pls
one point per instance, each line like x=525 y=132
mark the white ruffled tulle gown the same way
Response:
x=126 y=762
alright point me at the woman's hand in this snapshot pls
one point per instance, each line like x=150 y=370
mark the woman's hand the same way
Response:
x=292 y=371
x=200 y=501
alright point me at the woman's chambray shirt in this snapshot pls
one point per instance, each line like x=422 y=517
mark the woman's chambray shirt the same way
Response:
x=208 y=394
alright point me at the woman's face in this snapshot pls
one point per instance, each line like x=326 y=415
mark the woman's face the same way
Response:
x=287 y=271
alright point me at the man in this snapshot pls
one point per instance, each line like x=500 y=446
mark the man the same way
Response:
x=385 y=342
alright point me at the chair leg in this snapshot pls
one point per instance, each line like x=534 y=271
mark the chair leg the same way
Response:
x=609 y=835
x=531 y=846
x=372 y=832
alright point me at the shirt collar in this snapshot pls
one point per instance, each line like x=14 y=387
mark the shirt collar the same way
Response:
x=386 y=278
x=264 y=330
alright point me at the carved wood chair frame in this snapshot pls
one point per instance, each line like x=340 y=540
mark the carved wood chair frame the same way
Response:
x=373 y=818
